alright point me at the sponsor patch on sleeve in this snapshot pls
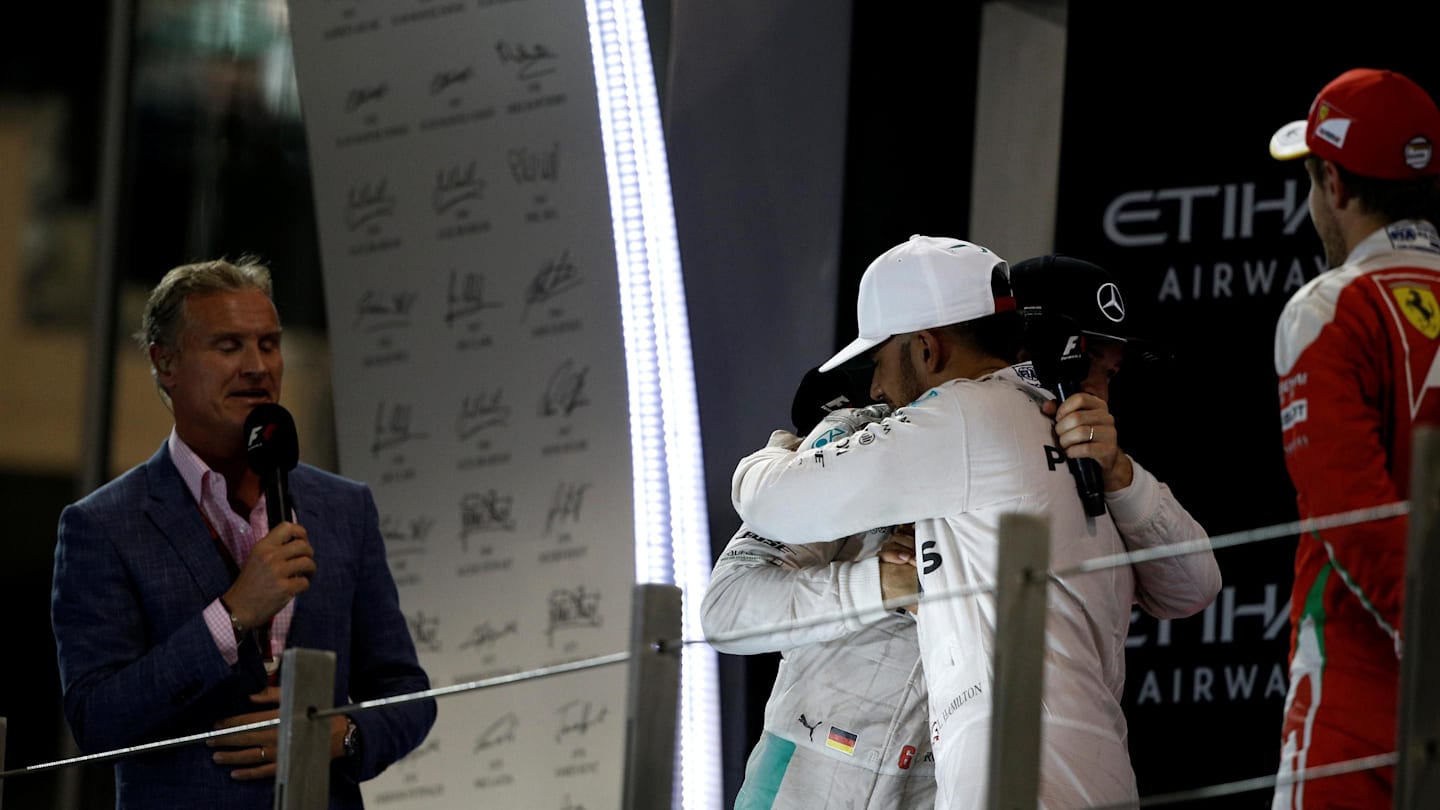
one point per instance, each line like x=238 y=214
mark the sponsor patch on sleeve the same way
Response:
x=1294 y=413
x=1026 y=372
x=1414 y=235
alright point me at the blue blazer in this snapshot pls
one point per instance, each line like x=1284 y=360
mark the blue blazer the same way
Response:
x=135 y=566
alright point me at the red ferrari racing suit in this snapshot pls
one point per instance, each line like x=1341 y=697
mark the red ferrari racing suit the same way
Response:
x=1355 y=351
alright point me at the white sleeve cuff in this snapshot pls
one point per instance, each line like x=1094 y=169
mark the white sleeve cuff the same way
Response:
x=1136 y=504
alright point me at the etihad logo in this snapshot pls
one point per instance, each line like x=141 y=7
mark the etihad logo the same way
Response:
x=1419 y=307
x=1186 y=214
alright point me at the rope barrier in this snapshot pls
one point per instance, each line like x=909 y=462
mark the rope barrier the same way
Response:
x=354 y=708
x=471 y=686
x=1240 y=538
x=1197 y=546
x=120 y=753
x=1259 y=782
x=1180 y=549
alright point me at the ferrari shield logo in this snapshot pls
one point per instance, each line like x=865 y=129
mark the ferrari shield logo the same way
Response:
x=1420 y=308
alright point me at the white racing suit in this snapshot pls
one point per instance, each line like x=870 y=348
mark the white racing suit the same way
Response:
x=952 y=462
x=845 y=724
x=863 y=672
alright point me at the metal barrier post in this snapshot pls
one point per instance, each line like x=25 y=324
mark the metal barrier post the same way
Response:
x=1021 y=578
x=307 y=682
x=1417 y=776
x=654 y=699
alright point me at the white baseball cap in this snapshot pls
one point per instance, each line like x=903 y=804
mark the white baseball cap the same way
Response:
x=926 y=282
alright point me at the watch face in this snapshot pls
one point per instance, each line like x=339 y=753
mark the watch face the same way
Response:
x=352 y=738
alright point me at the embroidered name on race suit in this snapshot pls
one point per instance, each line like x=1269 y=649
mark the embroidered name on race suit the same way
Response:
x=969 y=694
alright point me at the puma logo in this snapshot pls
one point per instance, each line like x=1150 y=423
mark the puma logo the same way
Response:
x=811 y=726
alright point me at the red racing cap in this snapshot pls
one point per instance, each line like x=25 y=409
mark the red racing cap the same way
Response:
x=1373 y=123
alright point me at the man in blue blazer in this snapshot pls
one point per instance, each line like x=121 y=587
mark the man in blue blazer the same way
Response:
x=173 y=598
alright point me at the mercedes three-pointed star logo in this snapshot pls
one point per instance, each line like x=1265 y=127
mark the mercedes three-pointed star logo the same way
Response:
x=1111 y=304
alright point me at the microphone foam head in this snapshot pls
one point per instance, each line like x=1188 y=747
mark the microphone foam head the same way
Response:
x=270 y=439
x=822 y=392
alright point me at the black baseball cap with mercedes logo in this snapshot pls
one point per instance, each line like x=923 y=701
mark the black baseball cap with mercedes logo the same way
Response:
x=1084 y=291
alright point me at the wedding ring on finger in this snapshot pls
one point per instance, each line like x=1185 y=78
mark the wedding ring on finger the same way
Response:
x=1092 y=434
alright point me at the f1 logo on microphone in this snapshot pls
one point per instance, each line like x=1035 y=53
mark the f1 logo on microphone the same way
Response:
x=256 y=436
x=1071 y=346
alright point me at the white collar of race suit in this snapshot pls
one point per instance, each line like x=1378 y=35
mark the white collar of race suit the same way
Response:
x=1405 y=234
x=1021 y=374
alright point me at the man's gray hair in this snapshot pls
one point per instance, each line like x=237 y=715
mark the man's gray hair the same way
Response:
x=164 y=314
x=165 y=309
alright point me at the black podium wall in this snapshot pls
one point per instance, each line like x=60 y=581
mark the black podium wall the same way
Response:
x=1166 y=180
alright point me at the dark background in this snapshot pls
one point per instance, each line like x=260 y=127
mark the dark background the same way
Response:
x=1180 y=98
x=47 y=51
x=1191 y=102
x=208 y=171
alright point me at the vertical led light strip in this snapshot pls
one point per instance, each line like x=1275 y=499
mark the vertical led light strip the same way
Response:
x=671 y=531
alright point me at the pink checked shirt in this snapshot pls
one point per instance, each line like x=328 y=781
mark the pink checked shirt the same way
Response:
x=208 y=489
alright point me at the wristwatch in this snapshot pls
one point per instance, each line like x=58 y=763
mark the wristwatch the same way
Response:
x=352 y=738
x=240 y=629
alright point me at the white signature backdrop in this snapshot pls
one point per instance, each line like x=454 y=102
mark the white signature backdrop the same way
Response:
x=474 y=319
